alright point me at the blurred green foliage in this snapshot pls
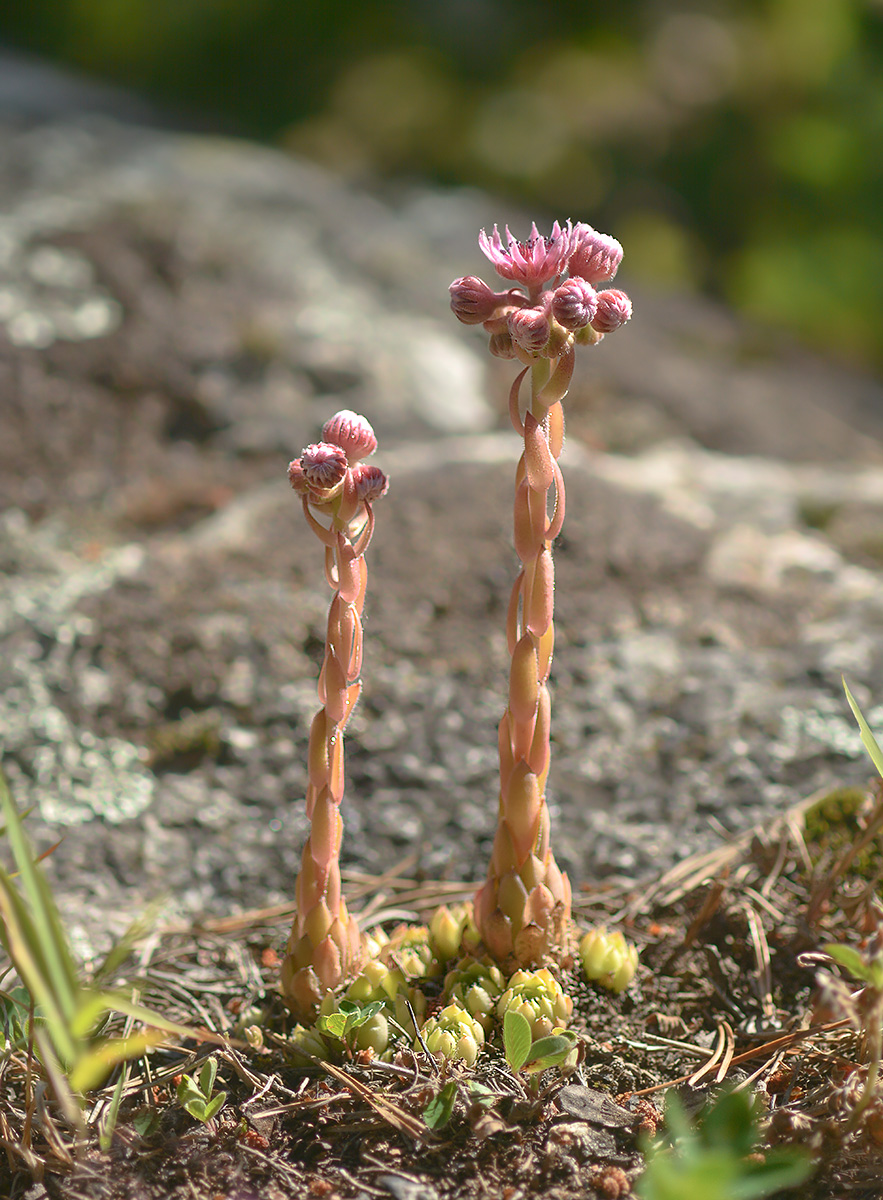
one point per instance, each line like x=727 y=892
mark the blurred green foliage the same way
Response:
x=733 y=146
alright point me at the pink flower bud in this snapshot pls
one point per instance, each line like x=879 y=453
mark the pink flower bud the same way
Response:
x=596 y=256
x=530 y=328
x=352 y=433
x=297 y=478
x=614 y=309
x=324 y=465
x=472 y=301
x=574 y=304
x=500 y=344
x=370 y=482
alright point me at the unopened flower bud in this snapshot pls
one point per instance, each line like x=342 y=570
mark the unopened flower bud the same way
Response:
x=596 y=256
x=324 y=465
x=296 y=477
x=501 y=346
x=352 y=433
x=574 y=304
x=608 y=959
x=369 y=482
x=614 y=309
x=472 y=301
x=530 y=328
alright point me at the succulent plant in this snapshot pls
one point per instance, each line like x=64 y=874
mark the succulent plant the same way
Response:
x=523 y=909
x=452 y=931
x=475 y=985
x=337 y=490
x=539 y=998
x=409 y=947
x=608 y=959
x=453 y=1033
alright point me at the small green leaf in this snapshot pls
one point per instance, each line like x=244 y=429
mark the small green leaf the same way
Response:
x=549 y=1051
x=782 y=1169
x=196 y=1109
x=516 y=1039
x=215 y=1105
x=187 y=1090
x=361 y=1015
x=870 y=742
x=851 y=959
x=333 y=1024
x=441 y=1107
x=146 y=1122
x=481 y=1094
x=207 y=1077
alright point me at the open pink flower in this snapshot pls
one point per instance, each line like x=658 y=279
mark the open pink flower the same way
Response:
x=531 y=263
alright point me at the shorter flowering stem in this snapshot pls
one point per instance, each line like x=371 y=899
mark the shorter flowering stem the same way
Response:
x=325 y=947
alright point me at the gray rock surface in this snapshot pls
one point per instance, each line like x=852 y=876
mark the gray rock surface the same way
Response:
x=178 y=316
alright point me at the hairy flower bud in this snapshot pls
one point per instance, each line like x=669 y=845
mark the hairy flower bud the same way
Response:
x=296 y=477
x=453 y=1033
x=596 y=256
x=352 y=433
x=324 y=465
x=500 y=345
x=574 y=304
x=472 y=301
x=608 y=959
x=369 y=482
x=614 y=309
x=537 y=995
x=530 y=328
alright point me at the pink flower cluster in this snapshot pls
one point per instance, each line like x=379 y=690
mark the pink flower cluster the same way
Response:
x=546 y=321
x=330 y=472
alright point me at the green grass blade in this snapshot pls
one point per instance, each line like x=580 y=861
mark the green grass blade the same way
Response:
x=52 y=944
x=93 y=1067
x=20 y=939
x=111 y=1114
x=870 y=742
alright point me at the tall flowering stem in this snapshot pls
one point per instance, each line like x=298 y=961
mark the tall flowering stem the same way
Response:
x=325 y=946
x=523 y=910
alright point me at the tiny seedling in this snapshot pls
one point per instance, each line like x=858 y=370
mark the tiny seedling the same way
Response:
x=440 y=1108
x=196 y=1094
x=532 y=1057
x=709 y=1160
x=348 y=1018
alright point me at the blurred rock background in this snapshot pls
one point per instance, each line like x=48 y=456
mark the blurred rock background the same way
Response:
x=734 y=146
x=180 y=311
